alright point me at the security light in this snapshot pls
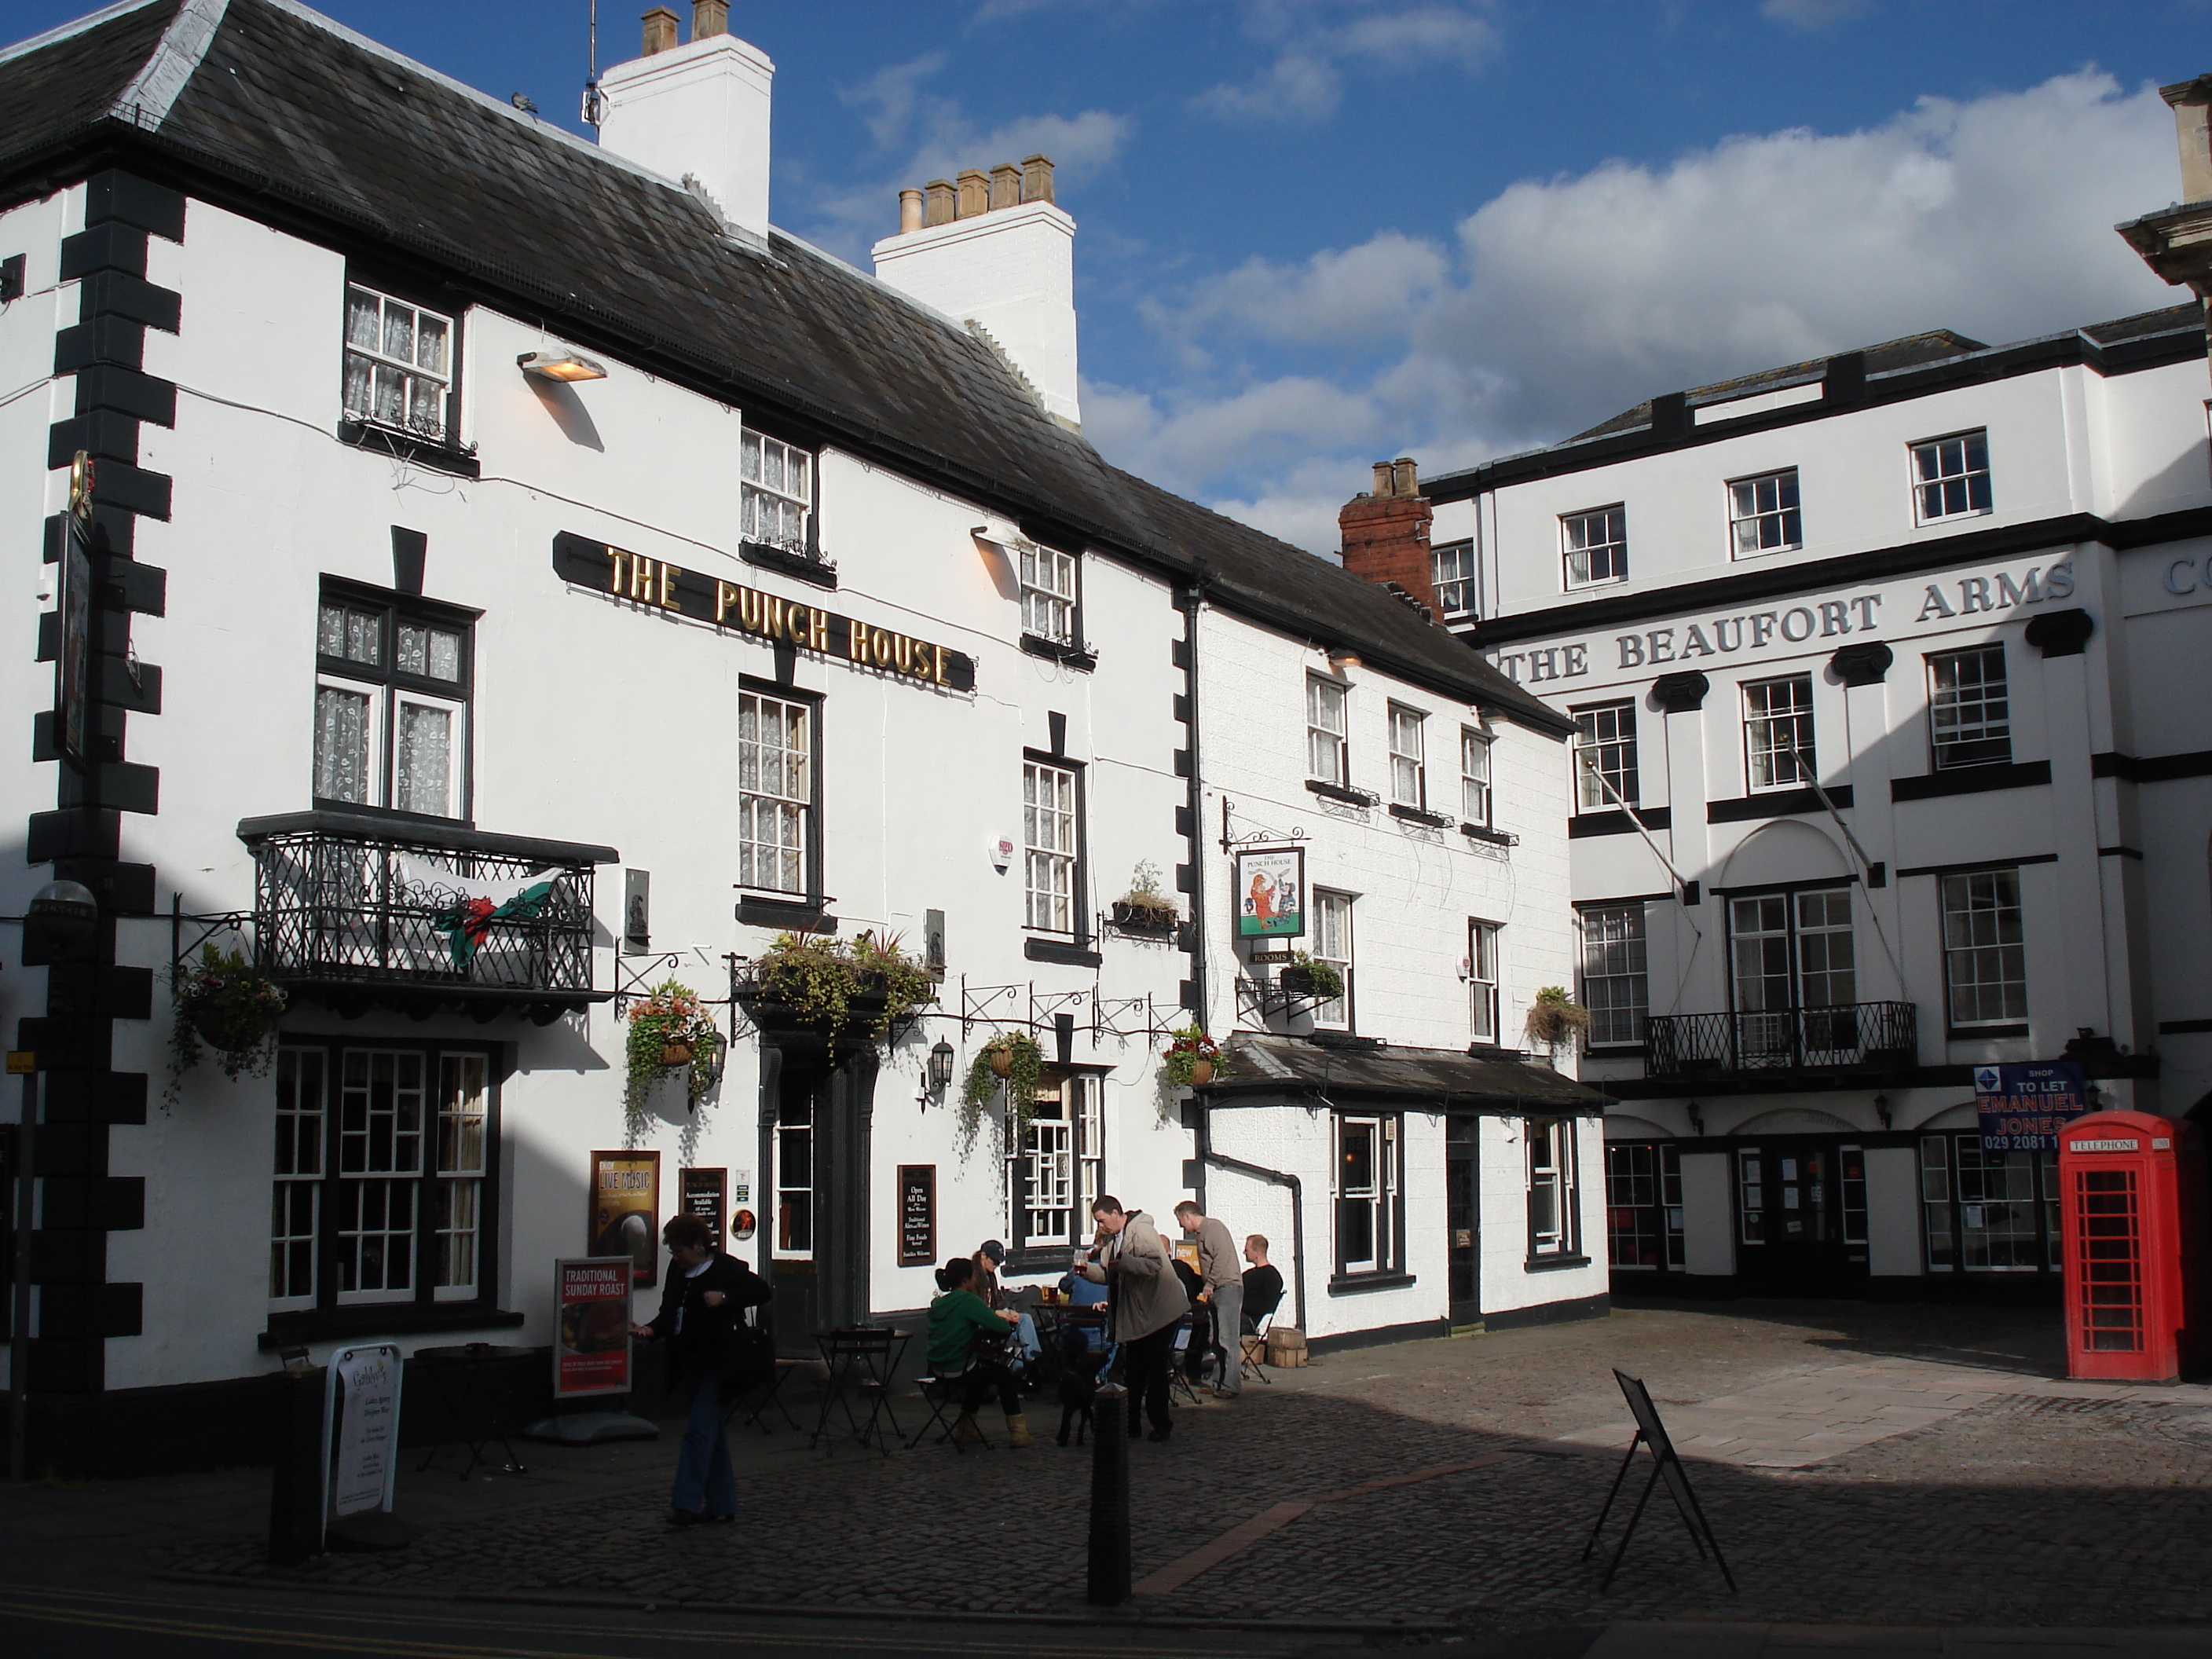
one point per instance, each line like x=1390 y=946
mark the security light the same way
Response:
x=560 y=366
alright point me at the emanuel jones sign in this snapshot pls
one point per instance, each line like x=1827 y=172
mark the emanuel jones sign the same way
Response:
x=666 y=587
x=1692 y=641
x=2023 y=1107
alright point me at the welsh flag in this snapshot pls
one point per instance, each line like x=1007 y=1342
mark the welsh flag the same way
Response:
x=471 y=904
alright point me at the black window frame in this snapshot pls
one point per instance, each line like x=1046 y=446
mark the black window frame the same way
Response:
x=2043 y=1202
x=424 y=1309
x=809 y=564
x=1025 y=1253
x=396 y=608
x=444 y=452
x=1075 y=650
x=1080 y=932
x=1665 y=1174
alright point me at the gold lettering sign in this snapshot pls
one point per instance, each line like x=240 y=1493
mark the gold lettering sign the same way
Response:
x=732 y=606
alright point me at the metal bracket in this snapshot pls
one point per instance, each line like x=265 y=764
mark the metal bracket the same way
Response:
x=1262 y=998
x=1230 y=840
x=205 y=927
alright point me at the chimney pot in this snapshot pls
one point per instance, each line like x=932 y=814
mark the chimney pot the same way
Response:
x=1005 y=186
x=909 y=211
x=942 y=208
x=1405 y=477
x=1382 y=479
x=660 y=30
x=974 y=193
x=709 y=18
x=2193 y=133
x=1037 y=178
x=1385 y=535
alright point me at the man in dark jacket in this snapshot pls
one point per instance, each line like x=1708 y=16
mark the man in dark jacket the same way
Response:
x=701 y=1301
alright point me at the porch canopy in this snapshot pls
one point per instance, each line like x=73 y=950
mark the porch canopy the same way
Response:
x=1421 y=1079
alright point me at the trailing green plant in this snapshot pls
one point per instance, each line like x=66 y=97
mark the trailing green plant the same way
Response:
x=227 y=1003
x=1324 y=983
x=1186 y=1048
x=669 y=1022
x=1555 y=1018
x=818 y=979
x=1023 y=1063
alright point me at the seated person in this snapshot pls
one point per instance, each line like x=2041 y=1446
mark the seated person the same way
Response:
x=958 y=1321
x=1083 y=1326
x=1263 y=1283
x=1195 y=1341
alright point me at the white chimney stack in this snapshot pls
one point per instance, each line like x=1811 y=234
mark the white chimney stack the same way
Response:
x=699 y=111
x=997 y=254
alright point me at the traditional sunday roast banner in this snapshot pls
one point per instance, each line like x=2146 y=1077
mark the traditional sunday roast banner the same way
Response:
x=591 y=1346
x=665 y=586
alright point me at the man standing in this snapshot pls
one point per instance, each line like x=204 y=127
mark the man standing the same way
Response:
x=1144 y=1304
x=1223 y=1290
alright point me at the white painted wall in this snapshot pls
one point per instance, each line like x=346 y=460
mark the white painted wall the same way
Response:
x=1892 y=1175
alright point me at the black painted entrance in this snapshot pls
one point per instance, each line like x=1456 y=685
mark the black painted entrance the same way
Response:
x=1463 y=1216
x=1801 y=1214
x=817 y=1118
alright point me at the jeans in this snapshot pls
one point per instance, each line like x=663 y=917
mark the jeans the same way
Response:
x=1228 y=1303
x=705 y=1484
x=1025 y=1338
x=1148 y=1359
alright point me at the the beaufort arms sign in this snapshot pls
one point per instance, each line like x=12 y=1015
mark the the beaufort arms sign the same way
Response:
x=742 y=610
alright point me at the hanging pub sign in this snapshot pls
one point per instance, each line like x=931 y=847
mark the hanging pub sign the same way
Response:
x=625 y=1211
x=1271 y=892
x=591 y=1344
x=660 y=586
x=2023 y=1107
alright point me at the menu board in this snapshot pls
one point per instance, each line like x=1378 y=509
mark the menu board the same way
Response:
x=705 y=1193
x=917 y=1215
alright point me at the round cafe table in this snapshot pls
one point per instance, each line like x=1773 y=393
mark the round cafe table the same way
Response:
x=473 y=1399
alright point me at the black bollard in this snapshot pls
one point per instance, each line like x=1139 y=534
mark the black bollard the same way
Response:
x=295 y=1488
x=1109 y=1499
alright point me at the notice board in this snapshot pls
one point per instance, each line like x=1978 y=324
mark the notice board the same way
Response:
x=705 y=1193
x=917 y=1215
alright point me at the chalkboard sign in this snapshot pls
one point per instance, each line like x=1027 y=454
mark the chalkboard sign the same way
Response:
x=917 y=1215
x=706 y=1195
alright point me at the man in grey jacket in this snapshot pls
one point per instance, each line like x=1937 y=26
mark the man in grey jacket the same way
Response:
x=1218 y=1266
x=1143 y=1300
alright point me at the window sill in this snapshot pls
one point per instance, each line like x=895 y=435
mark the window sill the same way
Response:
x=1072 y=953
x=1789 y=802
x=1953 y=518
x=382 y=1318
x=822 y=573
x=1415 y=815
x=390 y=814
x=1766 y=553
x=1619 y=822
x=1484 y=832
x=1358 y=1284
x=787 y=916
x=1588 y=587
x=1339 y=792
x=1068 y=655
x=1030 y=1260
x=1971 y=780
x=1980 y=1033
x=1544 y=1264
x=433 y=452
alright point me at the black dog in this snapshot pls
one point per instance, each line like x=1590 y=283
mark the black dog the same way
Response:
x=1079 y=1392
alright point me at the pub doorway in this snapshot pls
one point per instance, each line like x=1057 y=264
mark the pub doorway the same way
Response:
x=1463 y=1217
x=796 y=1206
x=1801 y=1216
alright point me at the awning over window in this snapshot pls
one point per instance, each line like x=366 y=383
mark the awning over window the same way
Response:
x=1423 y=1079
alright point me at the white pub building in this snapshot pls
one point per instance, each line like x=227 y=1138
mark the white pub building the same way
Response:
x=497 y=574
x=1891 y=760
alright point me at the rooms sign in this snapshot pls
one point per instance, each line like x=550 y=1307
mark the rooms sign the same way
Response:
x=660 y=586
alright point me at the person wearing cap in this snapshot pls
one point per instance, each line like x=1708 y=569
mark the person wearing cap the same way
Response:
x=990 y=1256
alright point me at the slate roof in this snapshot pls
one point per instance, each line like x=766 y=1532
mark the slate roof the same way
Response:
x=292 y=117
x=1433 y=1079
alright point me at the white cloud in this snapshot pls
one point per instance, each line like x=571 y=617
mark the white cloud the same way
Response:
x=1305 y=81
x=1568 y=299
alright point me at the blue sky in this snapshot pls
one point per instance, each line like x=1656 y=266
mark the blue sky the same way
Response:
x=1319 y=233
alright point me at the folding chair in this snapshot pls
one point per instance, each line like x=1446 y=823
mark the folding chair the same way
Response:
x=941 y=1394
x=1253 y=1348
x=1178 y=1351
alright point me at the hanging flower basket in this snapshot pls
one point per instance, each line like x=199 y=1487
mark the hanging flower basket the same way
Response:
x=1317 y=981
x=668 y=1029
x=1555 y=1018
x=826 y=985
x=225 y=1004
x=1192 y=1060
x=675 y=1054
x=1201 y=1073
x=1011 y=1061
x=1002 y=1060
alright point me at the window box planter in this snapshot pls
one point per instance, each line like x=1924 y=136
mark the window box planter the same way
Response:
x=1145 y=918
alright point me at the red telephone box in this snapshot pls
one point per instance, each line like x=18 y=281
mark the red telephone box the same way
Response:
x=2131 y=1204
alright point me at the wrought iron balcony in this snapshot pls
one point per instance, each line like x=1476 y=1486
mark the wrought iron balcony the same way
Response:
x=360 y=911
x=1874 y=1036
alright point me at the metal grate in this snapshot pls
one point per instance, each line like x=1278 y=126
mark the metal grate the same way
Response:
x=349 y=909
x=1848 y=1033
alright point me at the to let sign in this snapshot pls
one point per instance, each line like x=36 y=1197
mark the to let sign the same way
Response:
x=917 y=1215
x=2023 y=1107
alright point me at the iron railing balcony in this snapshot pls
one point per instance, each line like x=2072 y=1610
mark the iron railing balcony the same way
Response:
x=1874 y=1036
x=357 y=911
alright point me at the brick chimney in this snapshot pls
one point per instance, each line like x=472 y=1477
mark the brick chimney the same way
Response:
x=1386 y=532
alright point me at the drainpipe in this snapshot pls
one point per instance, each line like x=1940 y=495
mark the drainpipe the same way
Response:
x=1190 y=601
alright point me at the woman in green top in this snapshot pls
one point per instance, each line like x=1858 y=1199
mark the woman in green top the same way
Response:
x=956 y=1320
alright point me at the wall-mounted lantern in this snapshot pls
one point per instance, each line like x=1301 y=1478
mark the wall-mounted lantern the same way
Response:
x=560 y=366
x=940 y=1069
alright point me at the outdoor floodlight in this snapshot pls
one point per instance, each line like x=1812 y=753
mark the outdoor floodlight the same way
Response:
x=560 y=366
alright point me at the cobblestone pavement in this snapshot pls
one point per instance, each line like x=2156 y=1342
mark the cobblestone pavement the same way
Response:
x=1425 y=1482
